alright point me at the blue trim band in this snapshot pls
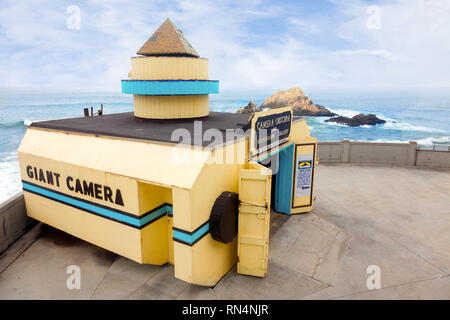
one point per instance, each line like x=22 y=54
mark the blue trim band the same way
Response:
x=190 y=238
x=275 y=152
x=170 y=87
x=127 y=219
x=154 y=215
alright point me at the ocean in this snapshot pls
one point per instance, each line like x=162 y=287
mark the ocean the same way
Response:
x=411 y=115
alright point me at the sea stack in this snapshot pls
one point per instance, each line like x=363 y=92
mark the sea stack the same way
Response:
x=358 y=120
x=300 y=103
x=168 y=79
x=250 y=108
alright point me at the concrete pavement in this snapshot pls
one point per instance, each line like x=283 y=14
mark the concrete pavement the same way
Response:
x=397 y=218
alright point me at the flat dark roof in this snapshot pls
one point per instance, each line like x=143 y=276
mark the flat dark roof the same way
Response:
x=126 y=125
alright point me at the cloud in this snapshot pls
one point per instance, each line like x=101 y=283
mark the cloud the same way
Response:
x=382 y=53
x=257 y=45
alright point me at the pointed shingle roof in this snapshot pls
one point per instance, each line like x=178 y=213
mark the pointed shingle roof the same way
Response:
x=167 y=40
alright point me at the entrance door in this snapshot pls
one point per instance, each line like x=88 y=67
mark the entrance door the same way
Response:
x=254 y=219
x=281 y=163
x=283 y=180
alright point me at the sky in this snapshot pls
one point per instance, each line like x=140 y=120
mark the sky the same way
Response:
x=253 y=45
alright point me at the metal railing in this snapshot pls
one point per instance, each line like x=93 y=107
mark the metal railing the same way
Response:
x=434 y=147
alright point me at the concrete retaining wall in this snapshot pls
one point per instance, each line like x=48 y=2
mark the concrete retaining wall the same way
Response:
x=433 y=158
x=381 y=153
x=13 y=220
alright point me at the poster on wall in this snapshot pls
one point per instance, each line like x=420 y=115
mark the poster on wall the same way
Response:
x=303 y=175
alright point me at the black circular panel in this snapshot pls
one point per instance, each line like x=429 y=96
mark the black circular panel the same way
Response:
x=223 y=221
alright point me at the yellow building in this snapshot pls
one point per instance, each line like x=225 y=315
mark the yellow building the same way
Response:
x=171 y=182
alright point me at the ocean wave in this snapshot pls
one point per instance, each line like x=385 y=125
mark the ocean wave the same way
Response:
x=334 y=124
x=434 y=140
x=9 y=179
x=386 y=140
x=16 y=124
x=424 y=141
x=10 y=157
x=12 y=124
x=391 y=124
x=69 y=104
x=404 y=126
x=345 y=112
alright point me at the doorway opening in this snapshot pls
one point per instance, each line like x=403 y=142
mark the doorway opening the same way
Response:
x=281 y=162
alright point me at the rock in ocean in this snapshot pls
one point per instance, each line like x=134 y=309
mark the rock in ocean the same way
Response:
x=301 y=104
x=252 y=107
x=358 y=120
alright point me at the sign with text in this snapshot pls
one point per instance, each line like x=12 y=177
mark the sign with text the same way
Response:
x=270 y=129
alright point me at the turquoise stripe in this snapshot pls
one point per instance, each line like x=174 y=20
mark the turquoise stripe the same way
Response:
x=188 y=237
x=83 y=205
x=137 y=222
x=155 y=214
x=275 y=152
x=175 y=87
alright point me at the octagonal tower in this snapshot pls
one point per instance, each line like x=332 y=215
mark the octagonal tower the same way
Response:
x=168 y=79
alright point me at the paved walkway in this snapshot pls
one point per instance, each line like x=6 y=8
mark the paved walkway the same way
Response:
x=396 y=218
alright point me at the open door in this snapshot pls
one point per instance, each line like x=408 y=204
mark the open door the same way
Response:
x=254 y=219
x=283 y=181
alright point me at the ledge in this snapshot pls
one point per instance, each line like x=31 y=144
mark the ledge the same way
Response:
x=170 y=87
x=13 y=220
x=385 y=153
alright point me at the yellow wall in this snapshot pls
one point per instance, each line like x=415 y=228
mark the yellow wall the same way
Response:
x=207 y=261
x=170 y=241
x=152 y=196
x=108 y=234
x=155 y=238
x=155 y=242
x=168 y=68
x=126 y=185
x=300 y=130
x=150 y=244
x=171 y=107
x=111 y=235
x=109 y=154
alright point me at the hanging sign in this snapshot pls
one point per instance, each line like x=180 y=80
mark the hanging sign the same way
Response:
x=270 y=129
